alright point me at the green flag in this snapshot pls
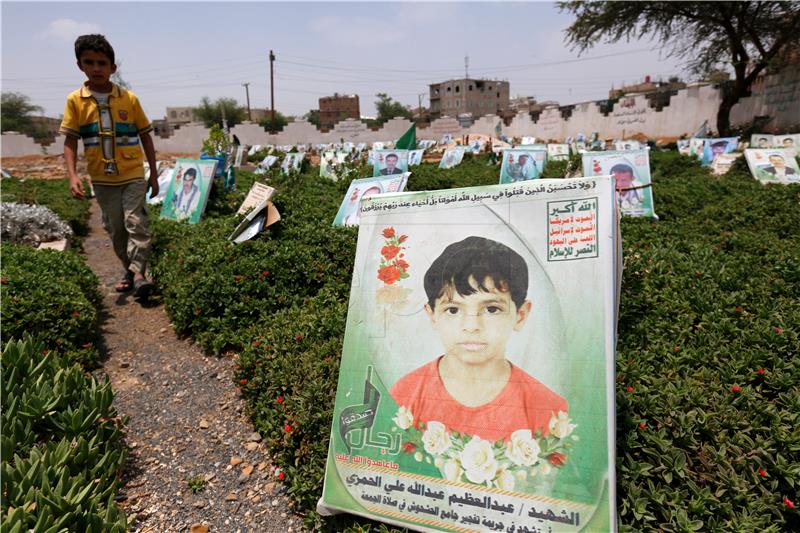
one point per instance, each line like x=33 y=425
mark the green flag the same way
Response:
x=409 y=139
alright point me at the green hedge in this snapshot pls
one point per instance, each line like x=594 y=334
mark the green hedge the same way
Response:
x=60 y=445
x=55 y=293
x=53 y=194
x=711 y=296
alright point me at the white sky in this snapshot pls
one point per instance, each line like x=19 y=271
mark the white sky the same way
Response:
x=174 y=53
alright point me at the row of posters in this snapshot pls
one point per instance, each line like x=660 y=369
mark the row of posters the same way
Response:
x=764 y=140
x=476 y=387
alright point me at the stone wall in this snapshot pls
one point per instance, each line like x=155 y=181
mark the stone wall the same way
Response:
x=687 y=109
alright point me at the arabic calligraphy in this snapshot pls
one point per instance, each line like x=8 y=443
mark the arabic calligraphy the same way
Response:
x=572 y=229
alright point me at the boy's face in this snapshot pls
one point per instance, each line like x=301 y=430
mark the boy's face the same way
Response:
x=475 y=329
x=97 y=67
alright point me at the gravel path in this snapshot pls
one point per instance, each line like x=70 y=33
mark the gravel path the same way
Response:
x=186 y=421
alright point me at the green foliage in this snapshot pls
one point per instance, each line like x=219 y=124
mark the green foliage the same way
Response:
x=16 y=112
x=711 y=294
x=389 y=109
x=61 y=445
x=196 y=484
x=55 y=293
x=217 y=141
x=53 y=194
x=280 y=121
x=211 y=113
x=313 y=117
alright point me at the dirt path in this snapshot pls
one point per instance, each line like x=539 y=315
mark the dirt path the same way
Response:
x=186 y=420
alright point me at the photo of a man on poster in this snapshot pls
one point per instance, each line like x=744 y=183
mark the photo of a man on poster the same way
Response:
x=391 y=166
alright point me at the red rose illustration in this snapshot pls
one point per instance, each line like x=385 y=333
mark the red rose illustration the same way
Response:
x=400 y=263
x=409 y=447
x=389 y=274
x=557 y=459
x=402 y=238
x=390 y=251
x=388 y=233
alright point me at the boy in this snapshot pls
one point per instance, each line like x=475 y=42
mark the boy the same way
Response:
x=476 y=293
x=111 y=123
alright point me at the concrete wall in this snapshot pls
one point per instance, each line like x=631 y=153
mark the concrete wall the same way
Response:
x=776 y=96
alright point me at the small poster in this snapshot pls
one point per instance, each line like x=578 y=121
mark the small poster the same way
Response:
x=683 y=146
x=761 y=140
x=452 y=157
x=240 y=151
x=389 y=162
x=723 y=162
x=325 y=162
x=578 y=147
x=377 y=145
x=558 y=152
x=475 y=146
x=447 y=138
x=426 y=144
x=627 y=145
x=476 y=387
x=258 y=194
x=415 y=157
x=292 y=162
x=773 y=165
x=789 y=142
x=350 y=211
x=528 y=141
x=696 y=146
x=714 y=147
x=631 y=170
x=253 y=149
x=521 y=164
x=165 y=175
x=189 y=189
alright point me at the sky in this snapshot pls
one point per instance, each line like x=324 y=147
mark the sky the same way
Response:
x=174 y=53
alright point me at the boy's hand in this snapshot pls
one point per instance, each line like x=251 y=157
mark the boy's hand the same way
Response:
x=153 y=182
x=76 y=188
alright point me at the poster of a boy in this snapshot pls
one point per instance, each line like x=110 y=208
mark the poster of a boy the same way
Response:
x=477 y=297
x=114 y=129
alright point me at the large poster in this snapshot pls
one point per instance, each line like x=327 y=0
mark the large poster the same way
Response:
x=775 y=165
x=631 y=170
x=389 y=162
x=521 y=164
x=350 y=211
x=476 y=389
x=452 y=157
x=188 y=189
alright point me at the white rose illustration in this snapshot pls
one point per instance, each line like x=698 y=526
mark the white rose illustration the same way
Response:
x=560 y=425
x=404 y=419
x=435 y=439
x=452 y=470
x=522 y=448
x=505 y=480
x=478 y=461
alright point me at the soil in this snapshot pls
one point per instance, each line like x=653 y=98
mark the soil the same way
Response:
x=186 y=421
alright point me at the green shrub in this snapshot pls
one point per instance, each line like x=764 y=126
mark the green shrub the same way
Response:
x=53 y=194
x=54 y=292
x=711 y=295
x=60 y=445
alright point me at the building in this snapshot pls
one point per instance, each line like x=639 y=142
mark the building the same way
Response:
x=647 y=86
x=467 y=95
x=178 y=116
x=338 y=107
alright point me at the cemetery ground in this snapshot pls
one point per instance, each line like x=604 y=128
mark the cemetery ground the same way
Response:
x=708 y=356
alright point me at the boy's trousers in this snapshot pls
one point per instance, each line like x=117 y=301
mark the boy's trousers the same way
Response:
x=126 y=221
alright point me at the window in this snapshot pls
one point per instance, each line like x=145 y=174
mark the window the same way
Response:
x=458 y=88
x=470 y=86
x=448 y=89
x=498 y=94
x=173 y=114
x=458 y=103
x=490 y=87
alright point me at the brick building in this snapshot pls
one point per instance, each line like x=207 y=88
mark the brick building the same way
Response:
x=333 y=109
x=469 y=96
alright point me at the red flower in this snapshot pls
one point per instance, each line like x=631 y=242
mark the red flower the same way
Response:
x=736 y=388
x=778 y=330
x=265 y=273
x=409 y=447
x=557 y=459
x=739 y=309
x=400 y=263
x=256 y=344
x=642 y=425
x=244 y=382
x=402 y=238
x=390 y=251
x=87 y=345
x=388 y=233
x=762 y=472
x=237 y=278
x=76 y=314
x=45 y=352
x=287 y=428
x=298 y=337
x=761 y=371
x=281 y=475
x=389 y=274
x=789 y=503
x=629 y=388
x=280 y=399
x=3 y=280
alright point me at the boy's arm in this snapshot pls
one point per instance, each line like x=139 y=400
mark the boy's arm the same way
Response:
x=150 y=153
x=70 y=158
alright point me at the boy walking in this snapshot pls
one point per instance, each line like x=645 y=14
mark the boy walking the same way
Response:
x=111 y=122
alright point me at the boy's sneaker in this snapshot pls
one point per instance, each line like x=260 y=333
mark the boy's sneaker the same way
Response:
x=143 y=288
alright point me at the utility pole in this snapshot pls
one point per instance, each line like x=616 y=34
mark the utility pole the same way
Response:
x=419 y=97
x=466 y=67
x=272 y=92
x=247 y=91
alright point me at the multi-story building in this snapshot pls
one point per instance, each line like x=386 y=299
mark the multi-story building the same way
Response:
x=469 y=96
x=338 y=107
x=178 y=116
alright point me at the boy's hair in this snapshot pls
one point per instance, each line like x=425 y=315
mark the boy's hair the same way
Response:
x=478 y=259
x=95 y=43
x=190 y=171
x=621 y=167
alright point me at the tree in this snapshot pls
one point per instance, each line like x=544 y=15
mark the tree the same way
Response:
x=749 y=36
x=117 y=77
x=280 y=121
x=17 y=111
x=211 y=113
x=388 y=109
x=313 y=117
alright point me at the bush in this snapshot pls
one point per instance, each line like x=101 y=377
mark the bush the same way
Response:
x=710 y=298
x=55 y=292
x=53 y=194
x=60 y=446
